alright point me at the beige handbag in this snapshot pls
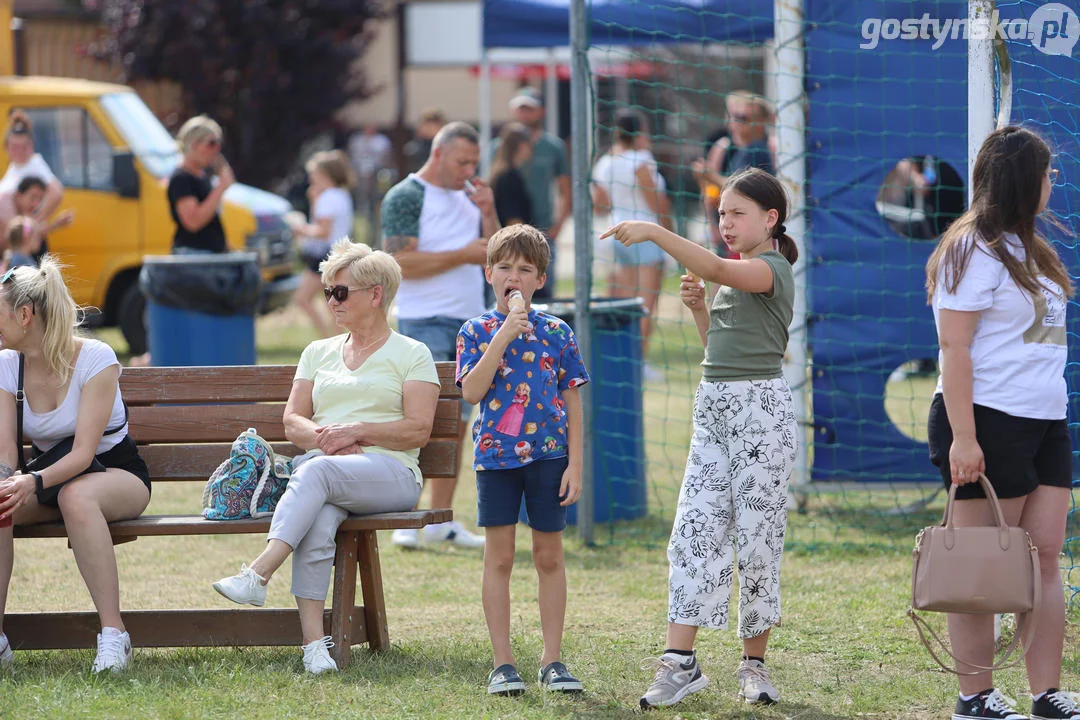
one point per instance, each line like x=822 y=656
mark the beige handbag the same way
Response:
x=980 y=570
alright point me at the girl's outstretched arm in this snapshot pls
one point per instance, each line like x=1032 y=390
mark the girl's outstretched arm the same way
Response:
x=752 y=275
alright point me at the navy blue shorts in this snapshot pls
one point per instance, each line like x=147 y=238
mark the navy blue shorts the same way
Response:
x=499 y=493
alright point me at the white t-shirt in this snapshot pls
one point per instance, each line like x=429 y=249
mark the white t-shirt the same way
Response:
x=34 y=167
x=1019 y=349
x=617 y=175
x=47 y=429
x=442 y=220
x=334 y=203
x=374 y=392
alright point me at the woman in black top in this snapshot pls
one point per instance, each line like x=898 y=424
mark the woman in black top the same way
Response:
x=193 y=202
x=512 y=202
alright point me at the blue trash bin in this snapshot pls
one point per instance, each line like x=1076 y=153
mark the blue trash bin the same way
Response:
x=618 y=440
x=201 y=308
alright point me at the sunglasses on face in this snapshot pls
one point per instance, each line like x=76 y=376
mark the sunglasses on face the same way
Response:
x=340 y=292
x=214 y=142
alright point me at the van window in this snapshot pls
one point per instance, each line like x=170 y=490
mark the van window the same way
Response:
x=143 y=132
x=73 y=146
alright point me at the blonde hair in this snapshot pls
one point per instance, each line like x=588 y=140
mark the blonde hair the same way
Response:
x=335 y=164
x=19 y=231
x=44 y=289
x=365 y=267
x=197 y=129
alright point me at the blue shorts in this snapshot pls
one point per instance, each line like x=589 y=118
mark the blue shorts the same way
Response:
x=499 y=493
x=643 y=253
x=440 y=336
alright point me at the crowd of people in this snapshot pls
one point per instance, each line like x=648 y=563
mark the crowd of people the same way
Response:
x=463 y=260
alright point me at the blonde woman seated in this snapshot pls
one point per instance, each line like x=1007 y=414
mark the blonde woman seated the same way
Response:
x=71 y=387
x=363 y=403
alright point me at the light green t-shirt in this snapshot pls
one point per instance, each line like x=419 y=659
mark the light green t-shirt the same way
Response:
x=373 y=393
x=748 y=332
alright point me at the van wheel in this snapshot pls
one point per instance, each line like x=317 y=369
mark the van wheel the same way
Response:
x=131 y=316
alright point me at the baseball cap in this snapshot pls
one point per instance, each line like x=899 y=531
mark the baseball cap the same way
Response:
x=527 y=97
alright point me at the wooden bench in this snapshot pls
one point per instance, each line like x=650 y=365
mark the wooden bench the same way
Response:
x=184 y=420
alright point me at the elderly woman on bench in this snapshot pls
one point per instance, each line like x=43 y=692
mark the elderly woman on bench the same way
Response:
x=363 y=403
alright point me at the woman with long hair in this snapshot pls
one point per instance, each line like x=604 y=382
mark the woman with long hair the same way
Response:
x=999 y=293
x=72 y=396
x=512 y=202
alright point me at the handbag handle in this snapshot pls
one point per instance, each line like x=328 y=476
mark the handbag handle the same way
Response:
x=20 y=397
x=991 y=496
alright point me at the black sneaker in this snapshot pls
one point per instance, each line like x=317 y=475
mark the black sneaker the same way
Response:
x=554 y=677
x=504 y=680
x=987 y=705
x=1055 y=705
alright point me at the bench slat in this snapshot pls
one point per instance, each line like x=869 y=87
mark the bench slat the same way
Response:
x=171 y=628
x=222 y=423
x=196 y=462
x=147 y=386
x=148 y=525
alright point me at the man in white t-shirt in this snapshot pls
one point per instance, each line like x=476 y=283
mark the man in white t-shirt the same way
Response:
x=436 y=223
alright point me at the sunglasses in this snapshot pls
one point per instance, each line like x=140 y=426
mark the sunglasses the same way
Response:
x=340 y=292
x=8 y=276
x=214 y=142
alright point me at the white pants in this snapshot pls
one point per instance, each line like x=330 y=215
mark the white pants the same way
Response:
x=733 y=506
x=322 y=492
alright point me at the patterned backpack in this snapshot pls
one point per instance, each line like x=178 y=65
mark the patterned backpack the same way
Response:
x=249 y=483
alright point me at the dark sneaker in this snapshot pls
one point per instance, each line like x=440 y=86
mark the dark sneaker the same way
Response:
x=504 y=680
x=675 y=679
x=554 y=677
x=987 y=705
x=1055 y=705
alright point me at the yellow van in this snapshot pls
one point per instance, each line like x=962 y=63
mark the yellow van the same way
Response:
x=114 y=158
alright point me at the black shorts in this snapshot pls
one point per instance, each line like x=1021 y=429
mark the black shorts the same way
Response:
x=1020 y=453
x=312 y=261
x=125 y=456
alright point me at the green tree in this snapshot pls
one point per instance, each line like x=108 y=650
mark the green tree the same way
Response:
x=272 y=72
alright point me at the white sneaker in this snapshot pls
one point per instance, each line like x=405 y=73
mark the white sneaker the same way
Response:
x=6 y=656
x=317 y=656
x=755 y=686
x=452 y=532
x=113 y=651
x=407 y=538
x=247 y=588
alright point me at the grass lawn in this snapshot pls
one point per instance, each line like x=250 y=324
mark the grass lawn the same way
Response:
x=845 y=649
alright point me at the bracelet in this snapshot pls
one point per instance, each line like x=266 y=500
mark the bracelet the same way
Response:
x=39 y=484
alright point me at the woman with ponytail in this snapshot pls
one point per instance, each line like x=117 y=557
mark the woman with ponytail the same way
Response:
x=733 y=501
x=72 y=399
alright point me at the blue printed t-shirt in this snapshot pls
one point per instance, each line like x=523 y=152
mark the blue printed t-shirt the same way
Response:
x=523 y=417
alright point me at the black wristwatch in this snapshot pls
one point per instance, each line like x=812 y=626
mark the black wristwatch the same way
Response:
x=39 y=485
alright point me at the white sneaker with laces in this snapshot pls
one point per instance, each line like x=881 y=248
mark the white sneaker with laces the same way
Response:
x=246 y=588
x=407 y=538
x=317 y=656
x=452 y=532
x=675 y=678
x=754 y=683
x=113 y=651
x=6 y=655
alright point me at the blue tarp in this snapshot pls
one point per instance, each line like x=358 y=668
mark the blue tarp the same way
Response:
x=546 y=23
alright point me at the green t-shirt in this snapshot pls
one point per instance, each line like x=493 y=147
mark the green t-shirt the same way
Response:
x=748 y=332
x=548 y=163
x=374 y=392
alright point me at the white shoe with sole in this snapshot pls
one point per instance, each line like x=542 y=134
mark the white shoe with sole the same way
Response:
x=317 y=656
x=113 y=651
x=246 y=588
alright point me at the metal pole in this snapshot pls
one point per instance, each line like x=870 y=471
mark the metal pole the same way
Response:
x=485 y=113
x=980 y=66
x=791 y=167
x=579 y=173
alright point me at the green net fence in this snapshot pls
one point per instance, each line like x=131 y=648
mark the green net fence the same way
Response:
x=879 y=126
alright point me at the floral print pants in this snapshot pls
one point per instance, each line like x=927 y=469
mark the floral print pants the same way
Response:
x=732 y=510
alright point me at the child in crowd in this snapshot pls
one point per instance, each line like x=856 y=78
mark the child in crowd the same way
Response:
x=732 y=508
x=23 y=241
x=524 y=369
